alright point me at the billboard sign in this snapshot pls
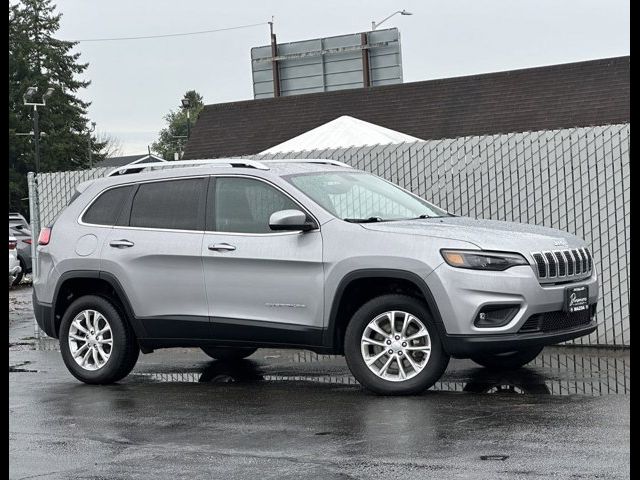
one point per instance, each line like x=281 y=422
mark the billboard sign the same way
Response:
x=327 y=64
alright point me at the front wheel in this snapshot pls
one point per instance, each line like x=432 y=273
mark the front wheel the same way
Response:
x=98 y=345
x=507 y=360
x=393 y=347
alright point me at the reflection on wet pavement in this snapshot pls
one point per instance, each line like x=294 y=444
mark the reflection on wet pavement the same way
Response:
x=577 y=372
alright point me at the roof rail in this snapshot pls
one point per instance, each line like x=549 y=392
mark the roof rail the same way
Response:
x=322 y=161
x=189 y=163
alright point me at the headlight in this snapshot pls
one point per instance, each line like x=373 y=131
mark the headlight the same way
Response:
x=479 y=260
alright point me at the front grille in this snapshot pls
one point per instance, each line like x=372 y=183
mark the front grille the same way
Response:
x=551 y=321
x=563 y=264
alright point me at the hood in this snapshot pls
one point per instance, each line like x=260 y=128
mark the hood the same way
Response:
x=485 y=234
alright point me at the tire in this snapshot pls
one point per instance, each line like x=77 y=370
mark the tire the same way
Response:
x=507 y=360
x=18 y=278
x=228 y=353
x=124 y=350
x=432 y=366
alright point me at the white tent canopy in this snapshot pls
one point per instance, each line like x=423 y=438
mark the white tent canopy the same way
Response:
x=343 y=132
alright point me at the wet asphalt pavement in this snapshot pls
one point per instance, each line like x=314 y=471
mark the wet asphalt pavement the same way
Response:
x=294 y=414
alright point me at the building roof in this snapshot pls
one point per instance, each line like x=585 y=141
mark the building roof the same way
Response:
x=128 y=159
x=586 y=93
x=343 y=132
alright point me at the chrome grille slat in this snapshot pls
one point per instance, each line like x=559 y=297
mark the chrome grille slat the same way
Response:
x=560 y=262
x=569 y=258
x=585 y=263
x=578 y=261
x=551 y=263
x=563 y=264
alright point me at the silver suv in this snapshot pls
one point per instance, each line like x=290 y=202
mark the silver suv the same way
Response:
x=233 y=255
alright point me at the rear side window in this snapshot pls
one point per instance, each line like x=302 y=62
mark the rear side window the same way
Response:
x=174 y=204
x=106 y=208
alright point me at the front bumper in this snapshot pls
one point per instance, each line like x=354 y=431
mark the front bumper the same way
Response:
x=460 y=294
x=464 y=346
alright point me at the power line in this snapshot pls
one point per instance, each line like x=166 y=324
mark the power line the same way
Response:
x=169 y=34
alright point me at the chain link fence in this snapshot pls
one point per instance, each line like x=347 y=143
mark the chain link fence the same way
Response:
x=577 y=180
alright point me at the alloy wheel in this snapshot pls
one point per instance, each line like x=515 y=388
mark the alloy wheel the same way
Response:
x=396 y=346
x=90 y=339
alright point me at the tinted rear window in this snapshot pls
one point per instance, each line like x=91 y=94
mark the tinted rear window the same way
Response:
x=106 y=208
x=174 y=204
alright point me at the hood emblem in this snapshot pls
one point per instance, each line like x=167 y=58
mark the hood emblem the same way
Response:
x=560 y=243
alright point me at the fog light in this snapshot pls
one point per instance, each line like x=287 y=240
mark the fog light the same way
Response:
x=495 y=315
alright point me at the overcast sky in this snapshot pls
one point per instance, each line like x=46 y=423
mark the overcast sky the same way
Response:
x=134 y=83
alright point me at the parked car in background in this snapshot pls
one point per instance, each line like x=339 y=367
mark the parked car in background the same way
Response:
x=23 y=236
x=16 y=219
x=14 y=264
x=233 y=255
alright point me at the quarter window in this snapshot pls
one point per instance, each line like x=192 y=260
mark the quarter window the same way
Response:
x=244 y=205
x=106 y=208
x=174 y=204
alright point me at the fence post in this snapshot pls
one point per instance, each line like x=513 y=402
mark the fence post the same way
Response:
x=34 y=218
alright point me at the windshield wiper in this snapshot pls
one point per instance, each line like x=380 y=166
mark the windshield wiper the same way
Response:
x=364 y=220
x=424 y=215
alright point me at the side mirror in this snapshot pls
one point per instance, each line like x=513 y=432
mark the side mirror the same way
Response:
x=290 y=220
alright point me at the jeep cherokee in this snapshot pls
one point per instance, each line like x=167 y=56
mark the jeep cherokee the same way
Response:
x=233 y=255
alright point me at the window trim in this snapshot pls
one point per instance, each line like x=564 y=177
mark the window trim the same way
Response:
x=129 y=203
x=95 y=199
x=209 y=206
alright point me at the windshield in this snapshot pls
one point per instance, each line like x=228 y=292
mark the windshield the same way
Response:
x=362 y=197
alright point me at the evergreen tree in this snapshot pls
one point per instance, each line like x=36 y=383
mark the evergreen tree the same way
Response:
x=38 y=59
x=172 y=138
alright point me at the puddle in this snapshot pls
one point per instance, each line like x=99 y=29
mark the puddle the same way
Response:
x=557 y=371
x=578 y=373
x=18 y=368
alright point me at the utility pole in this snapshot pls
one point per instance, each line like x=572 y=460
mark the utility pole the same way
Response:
x=29 y=94
x=186 y=105
x=89 y=132
x=274 y=63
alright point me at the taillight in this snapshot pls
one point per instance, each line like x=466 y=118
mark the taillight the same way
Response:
x=12 y=244
x=27 y=241
x=45 y=236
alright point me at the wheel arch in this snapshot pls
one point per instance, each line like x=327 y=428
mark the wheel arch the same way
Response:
x=333 y=336
x=75 y=283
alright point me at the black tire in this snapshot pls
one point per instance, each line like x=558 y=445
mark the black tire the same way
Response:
x=18 y=279
x=507 y=360
x=228 y=353
x=125 y=349
x=433 y=370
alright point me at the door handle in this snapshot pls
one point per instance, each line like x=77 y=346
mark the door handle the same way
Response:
x=121 y=243
x=222 y=247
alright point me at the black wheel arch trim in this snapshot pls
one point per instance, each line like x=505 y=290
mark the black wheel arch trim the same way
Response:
x=113 y=281
x=329 y=337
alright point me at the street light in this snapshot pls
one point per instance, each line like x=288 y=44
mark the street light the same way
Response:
x=186 y=104
x=375 y=25
x=26 y=98
x=90 y=131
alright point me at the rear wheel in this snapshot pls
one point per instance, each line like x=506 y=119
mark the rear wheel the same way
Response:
x=393 y=347
x=98 y=345
x=507 y=360
x=228 y=353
